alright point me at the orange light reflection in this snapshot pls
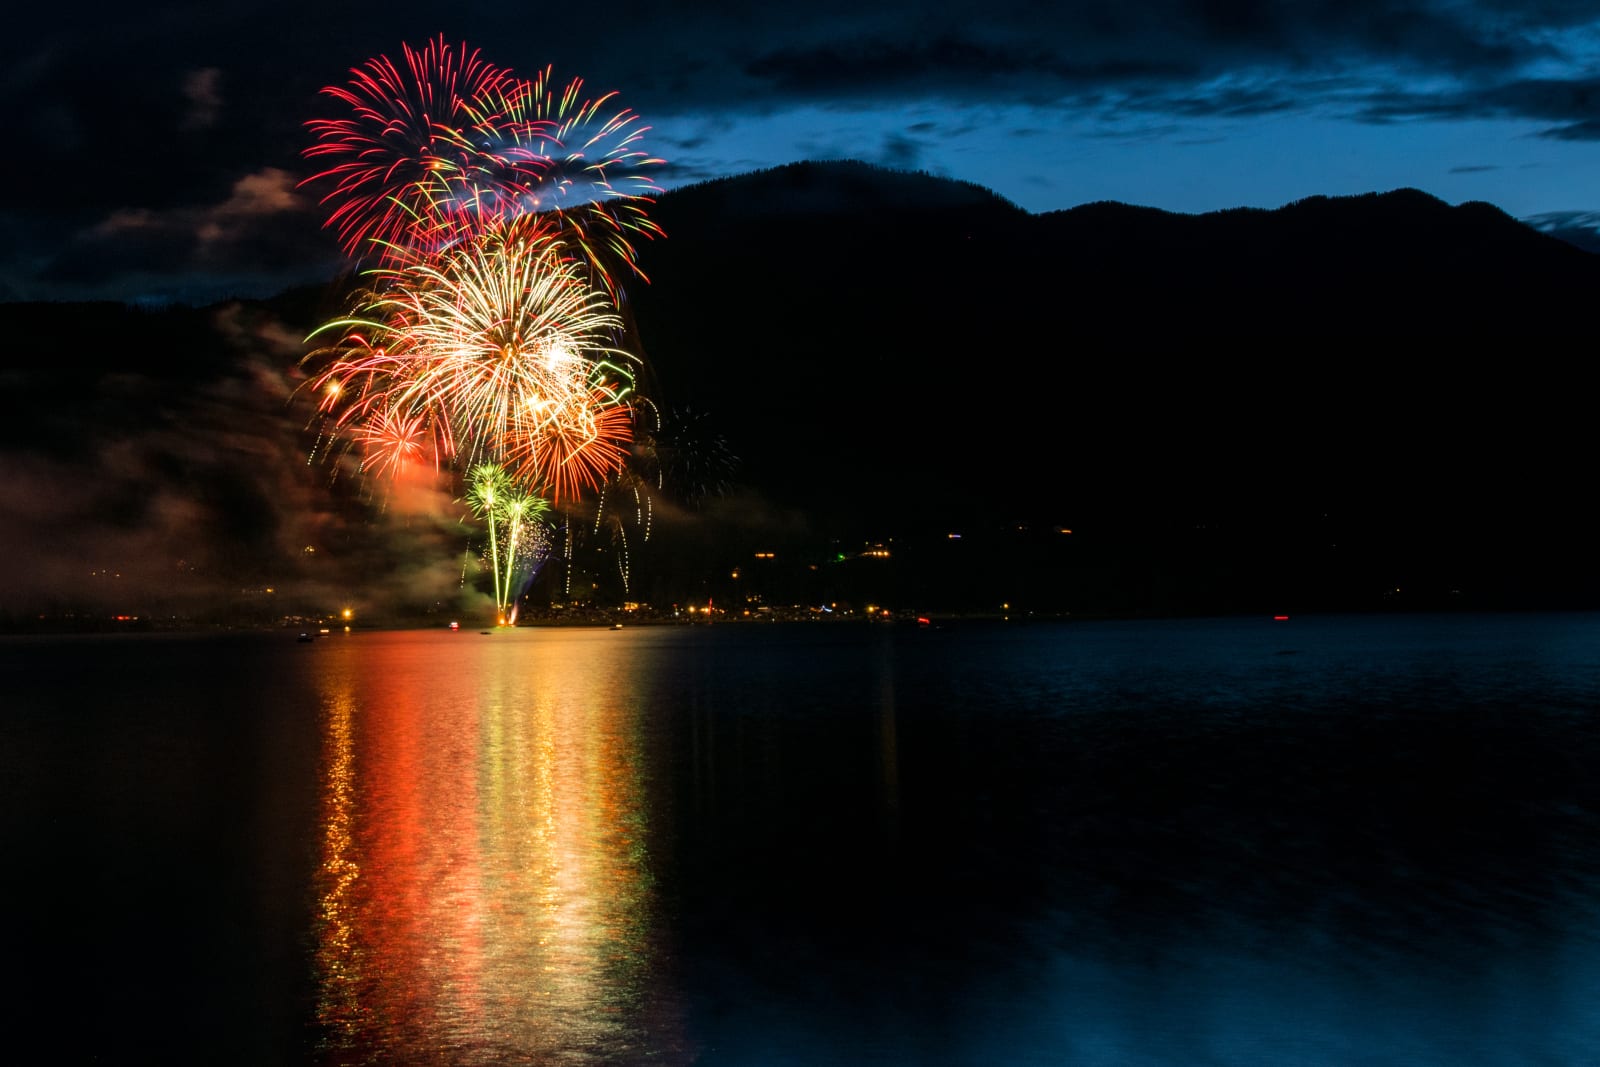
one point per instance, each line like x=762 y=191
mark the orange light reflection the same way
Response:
x=485 y=880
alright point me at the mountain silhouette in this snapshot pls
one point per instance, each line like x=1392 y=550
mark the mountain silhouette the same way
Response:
x=1335 y=403
x=904 y=351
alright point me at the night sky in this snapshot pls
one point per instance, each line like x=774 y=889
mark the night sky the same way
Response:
x=155 y=150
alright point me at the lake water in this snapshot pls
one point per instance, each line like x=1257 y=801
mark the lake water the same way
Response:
x=1330 y=841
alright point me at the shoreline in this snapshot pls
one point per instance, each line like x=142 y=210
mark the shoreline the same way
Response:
x=620 y=619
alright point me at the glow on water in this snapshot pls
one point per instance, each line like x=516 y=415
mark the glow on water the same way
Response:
x=1316 y=842
x=484 y=885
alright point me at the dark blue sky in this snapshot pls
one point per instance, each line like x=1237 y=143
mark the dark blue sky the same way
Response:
x=155 y=152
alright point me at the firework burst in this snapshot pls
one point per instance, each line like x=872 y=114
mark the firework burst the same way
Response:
x=411 y=148
x=496 y=350
x=597 y=177
x=578 y=442
x=682 y=454
x=500 y=213
x=444 y=144
x=393 y=441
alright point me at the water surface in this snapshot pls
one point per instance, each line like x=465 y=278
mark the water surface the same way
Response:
x=1329 y=841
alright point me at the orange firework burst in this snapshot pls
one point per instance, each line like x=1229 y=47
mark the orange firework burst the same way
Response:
x=578 y=442
x=395 y=440
x=498 y=344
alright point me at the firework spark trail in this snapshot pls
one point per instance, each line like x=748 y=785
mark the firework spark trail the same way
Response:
x=519 y=539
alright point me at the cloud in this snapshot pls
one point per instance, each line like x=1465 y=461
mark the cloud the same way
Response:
x=1588 y=130
x=1580 y=228
x=900 y=152
x=264 y=336
x=255 y=198
x=1171 y=49
x=689 y=171
x=1572 y=101
x=258 y=240
x=203 y=89
x=853 y=68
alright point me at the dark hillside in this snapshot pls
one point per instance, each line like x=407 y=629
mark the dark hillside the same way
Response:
x=1316 y=405
x=1386 y=364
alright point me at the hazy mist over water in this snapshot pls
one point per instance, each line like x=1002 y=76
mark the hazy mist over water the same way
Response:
x=1335 y=840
